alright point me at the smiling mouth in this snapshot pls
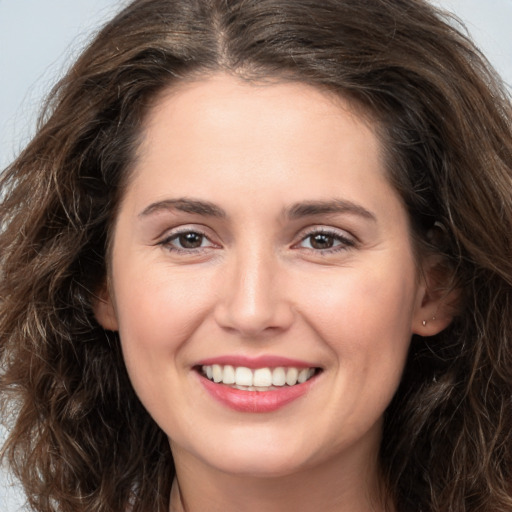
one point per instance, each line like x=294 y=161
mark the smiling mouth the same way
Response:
x=259 y=379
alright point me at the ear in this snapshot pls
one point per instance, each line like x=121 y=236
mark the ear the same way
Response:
x=437 y=299
x=104 y=310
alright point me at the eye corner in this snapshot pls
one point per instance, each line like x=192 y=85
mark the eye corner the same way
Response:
x=325 y=240
x=188 y=240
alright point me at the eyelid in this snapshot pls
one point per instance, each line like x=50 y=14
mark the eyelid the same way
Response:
x=347 y=239
x=171 y=234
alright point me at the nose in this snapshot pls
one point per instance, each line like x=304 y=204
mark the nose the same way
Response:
x=253 y=300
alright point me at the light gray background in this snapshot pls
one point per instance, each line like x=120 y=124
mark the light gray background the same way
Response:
x=39 y=39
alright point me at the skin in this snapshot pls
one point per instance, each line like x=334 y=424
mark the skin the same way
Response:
x=258 y=284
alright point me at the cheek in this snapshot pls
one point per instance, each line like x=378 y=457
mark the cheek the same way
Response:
x=364 y=314
x=158 y=312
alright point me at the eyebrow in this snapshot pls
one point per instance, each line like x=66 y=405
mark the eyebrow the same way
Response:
x=186 y=205
x=311 y=208
x=294 y=212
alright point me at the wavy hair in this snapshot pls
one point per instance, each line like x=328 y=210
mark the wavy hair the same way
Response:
x=79 y=438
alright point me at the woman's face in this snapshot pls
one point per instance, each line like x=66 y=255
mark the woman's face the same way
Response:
x=260 y=243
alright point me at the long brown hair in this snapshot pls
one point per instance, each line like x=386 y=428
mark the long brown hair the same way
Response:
x=79 y=438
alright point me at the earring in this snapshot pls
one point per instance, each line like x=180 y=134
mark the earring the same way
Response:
x=424 y=322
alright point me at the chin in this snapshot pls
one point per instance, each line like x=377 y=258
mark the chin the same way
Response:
x=257 y=459
x=258 y=466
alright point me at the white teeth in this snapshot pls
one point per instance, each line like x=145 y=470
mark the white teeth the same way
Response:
x=243 y=376
x=303 y=375
x=253 y=388
x=291 y=376
x=279 y=377
x=217 y=373
x=229 y=375
x=260 y=379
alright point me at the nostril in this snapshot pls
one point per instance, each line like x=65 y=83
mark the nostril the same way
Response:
x=251 y=300
x=255 y=321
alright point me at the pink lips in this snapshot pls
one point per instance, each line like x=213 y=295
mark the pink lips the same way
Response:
x=255 y=401
x=255 y=362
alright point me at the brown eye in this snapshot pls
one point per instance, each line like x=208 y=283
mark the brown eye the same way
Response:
x=186 y=241
x=321 y=241
x=190 y=240
x=326 y=241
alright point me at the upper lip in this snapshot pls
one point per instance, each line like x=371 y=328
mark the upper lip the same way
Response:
x=263 y=361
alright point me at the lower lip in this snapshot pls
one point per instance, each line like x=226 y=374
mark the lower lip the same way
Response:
x=255 y=401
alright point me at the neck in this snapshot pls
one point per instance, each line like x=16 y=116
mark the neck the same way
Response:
x=329 y=487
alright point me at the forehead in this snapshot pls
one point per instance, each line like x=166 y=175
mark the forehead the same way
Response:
x=210 y=123
x=220 y=138
x=254 y=151
x=241 y=95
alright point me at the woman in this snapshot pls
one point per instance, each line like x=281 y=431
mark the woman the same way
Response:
x=258 y=256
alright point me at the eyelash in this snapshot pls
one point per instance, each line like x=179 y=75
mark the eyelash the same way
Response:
x=345 y=242
x=167 y=242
